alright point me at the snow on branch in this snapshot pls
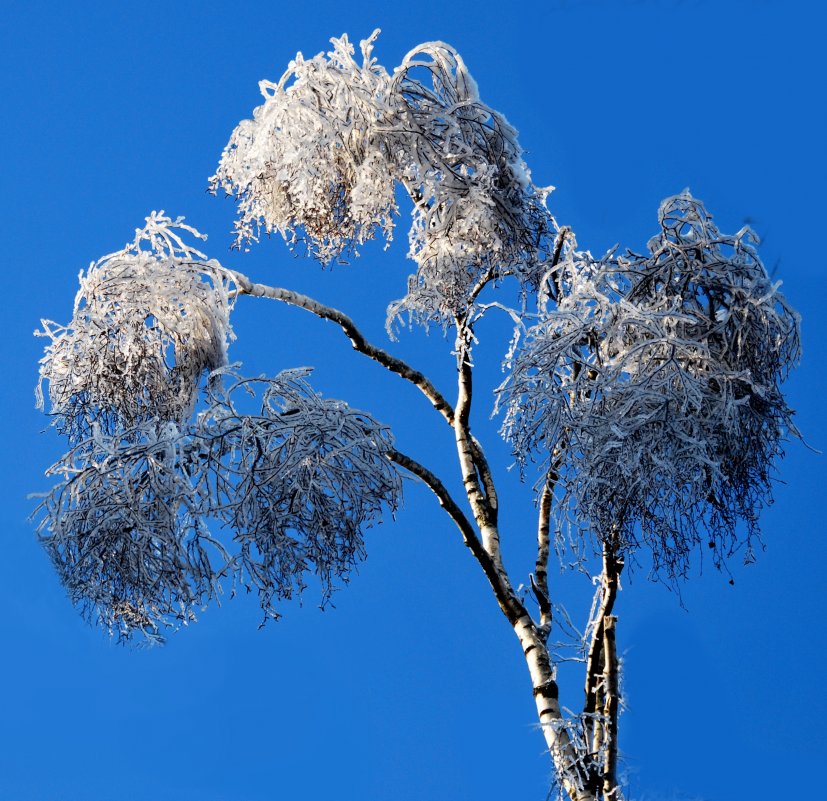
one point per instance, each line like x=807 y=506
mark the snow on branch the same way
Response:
x=477 y=216
x=157 y=505
x=148 y=321
x=124 y=533
x=661 y=373
x=144 y=527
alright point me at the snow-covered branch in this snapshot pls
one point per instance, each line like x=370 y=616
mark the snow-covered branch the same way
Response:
x=647 y=386
x=319 y=160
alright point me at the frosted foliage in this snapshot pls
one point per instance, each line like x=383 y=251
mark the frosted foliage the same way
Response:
x=311 y=163
x=132 y=527
x=477 y=216
x=123 y=532
x=659 y=377
x=148 y=321
x=319 y=161
x=297 y=481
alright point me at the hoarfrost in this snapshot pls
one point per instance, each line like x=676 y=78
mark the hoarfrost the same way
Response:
x=311 y=163
x=147 y=324
x=660 y=375
x=319 y=161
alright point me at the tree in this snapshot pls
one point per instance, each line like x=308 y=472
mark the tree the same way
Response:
x=641 y=399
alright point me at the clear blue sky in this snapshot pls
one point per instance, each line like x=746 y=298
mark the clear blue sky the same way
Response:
x=413 y=686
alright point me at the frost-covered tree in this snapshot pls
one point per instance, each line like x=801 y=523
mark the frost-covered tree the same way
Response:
x=641 y=395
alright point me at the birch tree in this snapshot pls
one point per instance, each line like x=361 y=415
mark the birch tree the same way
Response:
x=641 y=395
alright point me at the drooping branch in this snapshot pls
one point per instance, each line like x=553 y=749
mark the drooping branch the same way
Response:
x=148 y=321
x=664 y=371
x=357 y=339
x=297 y=481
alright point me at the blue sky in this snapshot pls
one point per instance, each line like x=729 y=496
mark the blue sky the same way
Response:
x=413 y=686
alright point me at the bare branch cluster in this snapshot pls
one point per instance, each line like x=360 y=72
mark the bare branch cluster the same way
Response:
x=661 y=373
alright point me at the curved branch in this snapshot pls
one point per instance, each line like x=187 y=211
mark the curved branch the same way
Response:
x=357 y=339
x=506 y=598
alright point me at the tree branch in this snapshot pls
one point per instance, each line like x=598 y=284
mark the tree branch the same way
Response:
x=571 y=765
x=357 y=339
x=610 y=706
x=482 y=495
x=471 y=459
x=539 y=581
x=556 y=286
x=486 y=478
x=506 y=598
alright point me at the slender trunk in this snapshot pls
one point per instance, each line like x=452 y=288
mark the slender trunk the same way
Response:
x=610 y=707
x=600 y=710
x=571 y=767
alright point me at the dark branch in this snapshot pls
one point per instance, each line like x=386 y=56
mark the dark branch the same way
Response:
x=357 y=339
x=507 y=600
